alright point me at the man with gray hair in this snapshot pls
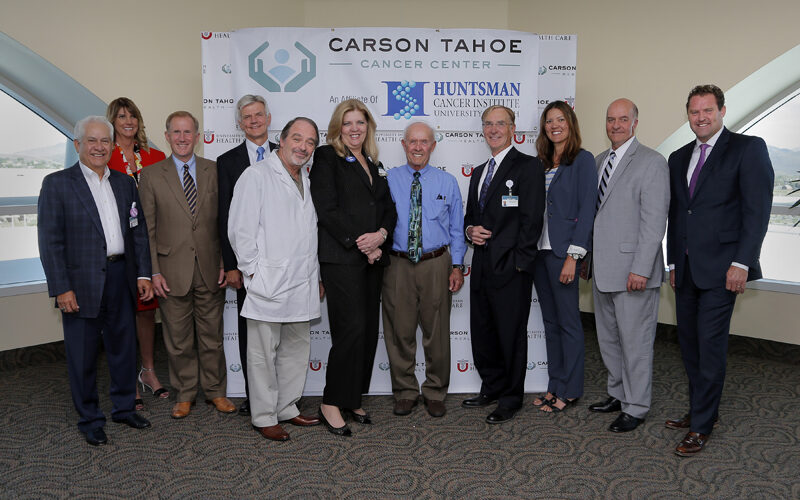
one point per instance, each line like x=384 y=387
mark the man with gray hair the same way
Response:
x=427 y=258
x=253 y=118
x=96 y=257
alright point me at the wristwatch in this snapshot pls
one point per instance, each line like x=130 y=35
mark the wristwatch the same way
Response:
x=575 y=256
x=460 y=267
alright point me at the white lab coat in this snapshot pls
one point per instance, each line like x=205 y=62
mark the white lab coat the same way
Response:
x=273 y=231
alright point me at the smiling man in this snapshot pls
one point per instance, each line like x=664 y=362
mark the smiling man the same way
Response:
x=504 y=218
x=254 y=118
x=721 y=196
x=427 y=258
x=94 y=251
x=273 y=231
x=628 y=264
x=179 y=198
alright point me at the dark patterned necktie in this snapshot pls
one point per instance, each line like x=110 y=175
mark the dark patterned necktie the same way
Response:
x=601 y=191
x=415 y=221
x=189 y=189
x=485 y=186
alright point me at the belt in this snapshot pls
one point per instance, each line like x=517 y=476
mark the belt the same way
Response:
x=430 y=255
x=115 y=258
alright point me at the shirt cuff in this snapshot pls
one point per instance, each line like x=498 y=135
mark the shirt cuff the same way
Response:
x=143 y=278
x=576 y=249
x=740 y=266
x=466 y=233
x=671 y=267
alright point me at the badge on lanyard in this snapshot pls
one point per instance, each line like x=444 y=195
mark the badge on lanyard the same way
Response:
x=133 y=220
x=510 y=200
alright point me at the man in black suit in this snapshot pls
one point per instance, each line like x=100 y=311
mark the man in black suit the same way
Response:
x=93 y=246
x=253 y=117
x=504 y=218
x=721 y=196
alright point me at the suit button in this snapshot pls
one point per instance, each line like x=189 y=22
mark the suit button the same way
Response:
x=690 y=212
x=372 y=203
x=194 y=228
x=103 y=270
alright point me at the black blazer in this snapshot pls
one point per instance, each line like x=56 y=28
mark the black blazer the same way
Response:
x=515 y=230
x=230 y=166
x=726 y=219
x=348 y=206
x=72 y=244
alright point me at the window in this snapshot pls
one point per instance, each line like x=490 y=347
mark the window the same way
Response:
x=779 y=126
x=30 y=148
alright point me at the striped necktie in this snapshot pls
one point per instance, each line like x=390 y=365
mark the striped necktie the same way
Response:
x=601 y=189
x=485 y=187
x=415 y=221
x=189 y=189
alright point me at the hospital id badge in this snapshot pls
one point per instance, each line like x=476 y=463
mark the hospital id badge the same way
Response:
x=510 y=201
x=133 y=222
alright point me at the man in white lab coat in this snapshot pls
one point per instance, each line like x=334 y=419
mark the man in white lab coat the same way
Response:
x=272 y=228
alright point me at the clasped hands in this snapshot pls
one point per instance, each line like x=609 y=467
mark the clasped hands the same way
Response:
x=369 y=244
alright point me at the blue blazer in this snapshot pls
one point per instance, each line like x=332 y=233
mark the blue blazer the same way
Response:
x=726 y=219
x=72 y=244
x=571 y=204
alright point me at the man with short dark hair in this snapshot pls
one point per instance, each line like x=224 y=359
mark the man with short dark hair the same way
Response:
x=179 y=198
x=628 y=264
x=253 y=118
x=426 y=268
x=94 y=251
x=273 y=231
x=721 y=197
x=504 y=218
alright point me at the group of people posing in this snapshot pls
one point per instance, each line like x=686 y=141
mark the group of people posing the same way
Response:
x=126 y=224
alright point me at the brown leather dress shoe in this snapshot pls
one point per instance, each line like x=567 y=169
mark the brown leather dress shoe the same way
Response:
x=404 y=406
x=678 y=423
x=222 y=404
x=435 y=408
x=181 y=410
x=304 y=421
x=273 y=432
x=692 y=444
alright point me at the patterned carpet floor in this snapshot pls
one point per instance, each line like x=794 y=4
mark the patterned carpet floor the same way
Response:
x=754 y=452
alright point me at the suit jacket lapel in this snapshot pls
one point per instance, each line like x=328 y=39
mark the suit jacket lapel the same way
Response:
x=171 y=179
x=202 y=183
x=244 y=157
x=500 y=171
x=84 y=194
x=623 y=164
x=119 y=195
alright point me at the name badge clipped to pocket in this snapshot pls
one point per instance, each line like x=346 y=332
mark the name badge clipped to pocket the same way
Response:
x=510 y=200
x=133 y=220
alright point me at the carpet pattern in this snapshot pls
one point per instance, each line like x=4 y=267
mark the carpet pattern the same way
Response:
x=753 y=453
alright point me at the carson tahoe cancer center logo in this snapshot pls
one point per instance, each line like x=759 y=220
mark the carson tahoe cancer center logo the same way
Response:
x=286 y=70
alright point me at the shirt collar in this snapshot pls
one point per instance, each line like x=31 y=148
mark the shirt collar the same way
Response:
x=711 y=142
x=620 y=151
x=180 y=164
x=421 y=171
x=89 y=174
x=252 y=148
x=499 y=157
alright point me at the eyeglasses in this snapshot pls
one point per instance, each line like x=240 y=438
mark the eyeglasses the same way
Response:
x=500 y=124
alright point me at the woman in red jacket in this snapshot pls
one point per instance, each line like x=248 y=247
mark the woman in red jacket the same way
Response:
x=132 y=153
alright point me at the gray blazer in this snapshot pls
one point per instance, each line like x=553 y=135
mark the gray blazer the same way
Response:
x=630 y=223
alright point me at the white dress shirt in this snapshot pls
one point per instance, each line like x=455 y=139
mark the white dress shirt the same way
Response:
x=106 y=204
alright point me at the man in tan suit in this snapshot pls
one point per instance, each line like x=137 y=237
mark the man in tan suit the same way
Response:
x=179 y=199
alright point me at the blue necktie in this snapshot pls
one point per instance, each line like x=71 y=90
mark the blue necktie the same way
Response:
x=260 y=152
x=485 y=187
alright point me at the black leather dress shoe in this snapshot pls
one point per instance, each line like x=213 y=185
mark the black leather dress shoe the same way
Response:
x=610 y=405
x=339 y=431
x=478 y=401
x=96 y=437
x=361 y=419
x=500 y=415
x=625 y=423
x=244 y=409
x=134 y=420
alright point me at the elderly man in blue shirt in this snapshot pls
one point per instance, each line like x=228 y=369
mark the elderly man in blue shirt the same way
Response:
x=426 y=268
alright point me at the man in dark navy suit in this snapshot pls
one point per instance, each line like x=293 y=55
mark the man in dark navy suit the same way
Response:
x=93 y=245
x=503 y=220
x=253 y=117
x=721 y=196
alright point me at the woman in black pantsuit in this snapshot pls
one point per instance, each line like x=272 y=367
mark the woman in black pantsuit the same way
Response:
x=356 y=216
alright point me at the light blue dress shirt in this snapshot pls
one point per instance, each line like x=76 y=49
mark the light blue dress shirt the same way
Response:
x=442 y=210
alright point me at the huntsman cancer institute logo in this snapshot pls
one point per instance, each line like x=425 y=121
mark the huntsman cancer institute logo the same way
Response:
x=287 y=70
x=405 y=99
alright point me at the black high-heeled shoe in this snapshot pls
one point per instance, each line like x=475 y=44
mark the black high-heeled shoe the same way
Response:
x=158 y=393
x=339 y=431
x=361 y=419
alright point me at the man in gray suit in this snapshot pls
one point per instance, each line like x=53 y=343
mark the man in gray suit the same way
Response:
x=628 y=263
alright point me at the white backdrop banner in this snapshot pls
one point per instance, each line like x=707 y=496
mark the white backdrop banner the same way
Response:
x=444 y=77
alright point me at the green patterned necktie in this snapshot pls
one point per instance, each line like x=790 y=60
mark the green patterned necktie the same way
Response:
x=415 y=221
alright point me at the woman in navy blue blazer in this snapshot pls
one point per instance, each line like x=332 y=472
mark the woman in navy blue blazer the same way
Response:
x=571 y=184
